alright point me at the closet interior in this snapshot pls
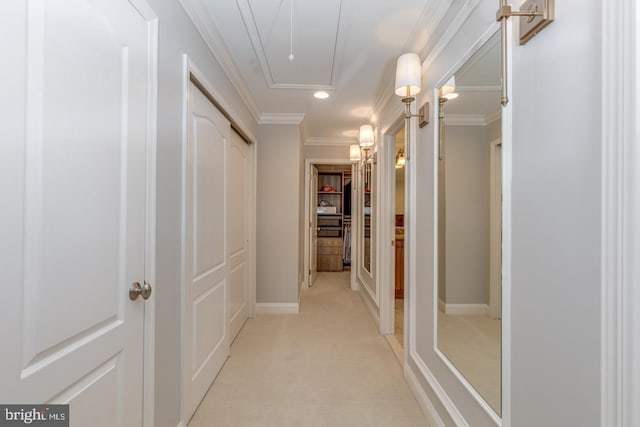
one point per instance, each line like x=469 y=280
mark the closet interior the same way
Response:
x=334 y=217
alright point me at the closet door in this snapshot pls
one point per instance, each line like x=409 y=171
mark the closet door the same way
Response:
x=206 y=268
x=240 y=182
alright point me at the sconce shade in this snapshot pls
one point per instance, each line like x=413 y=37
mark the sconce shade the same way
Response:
x=354 y=153
x=366 y=136
x=408 y=70
x=448 y=87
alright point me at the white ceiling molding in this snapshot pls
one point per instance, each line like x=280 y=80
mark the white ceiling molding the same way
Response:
x=452 y=30
x=281 y=119
x=330 y=141
x=209 y=32
x=465 y=120
x=431 y=16
x=492 y=117
x=477 y=88
x=258 y=46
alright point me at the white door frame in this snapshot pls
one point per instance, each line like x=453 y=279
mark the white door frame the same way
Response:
x=387 y=227
x=307 y=214
x=620 y=328
x=495 y=232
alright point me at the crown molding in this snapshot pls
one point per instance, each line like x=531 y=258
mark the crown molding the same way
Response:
x=281 y=119
x=343 y=141
x=478 y=88
x=492 y=117
x=465 y=120
x=206 y=27
x=466 y=11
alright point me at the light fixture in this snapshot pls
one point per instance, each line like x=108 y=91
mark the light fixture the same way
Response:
x=354 y=153
x=366 y=136
x=408 y=71
x=321 y=94
x=448 y=90
x=400 y=160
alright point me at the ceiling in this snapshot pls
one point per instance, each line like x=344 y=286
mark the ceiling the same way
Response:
x=346 y=47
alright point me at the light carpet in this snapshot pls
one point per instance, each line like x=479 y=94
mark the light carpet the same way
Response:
x=327 y=366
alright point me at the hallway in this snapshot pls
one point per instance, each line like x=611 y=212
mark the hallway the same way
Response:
x=326 y=366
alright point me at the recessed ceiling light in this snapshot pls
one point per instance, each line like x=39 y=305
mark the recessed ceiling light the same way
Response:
x=321 y=94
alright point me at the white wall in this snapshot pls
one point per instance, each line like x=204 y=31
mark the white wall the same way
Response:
x=337 y=152
x=278 y=214
x=467 y=215
x=177 y=37
x=556 y=221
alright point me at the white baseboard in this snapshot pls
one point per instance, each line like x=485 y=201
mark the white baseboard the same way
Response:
x=468 y=309
x=429 y=411
x=277 y=308
x=441 y=305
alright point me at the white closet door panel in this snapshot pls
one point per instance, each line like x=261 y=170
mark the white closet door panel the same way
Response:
x=207 y=259
x=240 y=193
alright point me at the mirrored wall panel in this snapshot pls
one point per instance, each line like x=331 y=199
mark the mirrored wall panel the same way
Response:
x=367 y=187
x=469 y=222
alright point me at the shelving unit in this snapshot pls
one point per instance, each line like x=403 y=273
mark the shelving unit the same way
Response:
x=332 y=220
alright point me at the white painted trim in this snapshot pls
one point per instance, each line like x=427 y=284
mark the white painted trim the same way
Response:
x=370 y=304
x=465 y=11
x=429 y=411
x=346 y=141
x=442 y=306
x=495 y=233
x=149 y=345
x=467 y=309
x=264 y=308
x=211 y=36
x=507 y=179
x=439 y=391
x=281 y=118
x=387 y=226
x=620 y=231
x=470 y=389
x=478 y=88
x=465 y=120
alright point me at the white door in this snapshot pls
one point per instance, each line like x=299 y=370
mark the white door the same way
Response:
x=74 y=114
x=206 y=336
x=313 y=225
x=240 y=183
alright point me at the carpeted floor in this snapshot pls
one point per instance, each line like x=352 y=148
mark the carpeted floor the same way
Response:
x=327 y=366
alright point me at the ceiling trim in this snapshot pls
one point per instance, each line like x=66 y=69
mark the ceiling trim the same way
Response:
x=492 y=117
x=206 y=27
x=337 y=141
x=281 y=119
x=431 y=16
x=465 y=120
x=478 y=88
x=452 y=30
x=258 y=49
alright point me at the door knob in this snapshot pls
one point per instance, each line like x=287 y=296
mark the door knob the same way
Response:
x=136 y=290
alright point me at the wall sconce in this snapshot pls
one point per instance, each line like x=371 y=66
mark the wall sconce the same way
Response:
x=354 y=153
x=534 y=15
x=408 y=70
x=400 y=160
x=366 y=140
x=448 y=90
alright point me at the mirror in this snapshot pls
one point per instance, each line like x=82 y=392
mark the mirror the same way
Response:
x=367 y=188
x=470 y=223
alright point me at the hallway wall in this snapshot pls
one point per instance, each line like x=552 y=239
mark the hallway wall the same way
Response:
x=278 y=214
x=555 y=300
x=177 y=36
